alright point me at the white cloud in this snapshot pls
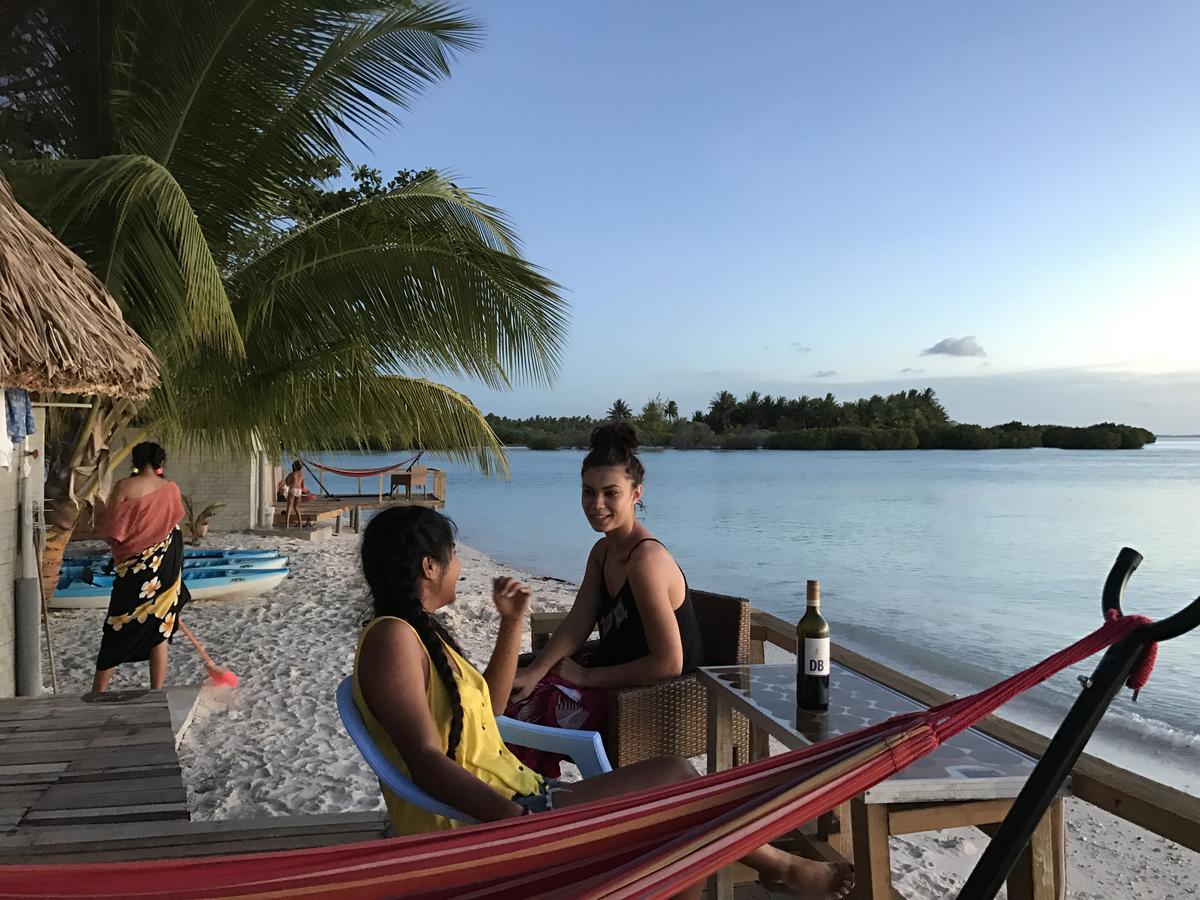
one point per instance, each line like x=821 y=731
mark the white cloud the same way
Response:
x=825 y=373
x=799 y=347
x=908 y=370
x=963 y=346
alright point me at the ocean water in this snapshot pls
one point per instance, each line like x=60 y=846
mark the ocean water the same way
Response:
x=956 y=567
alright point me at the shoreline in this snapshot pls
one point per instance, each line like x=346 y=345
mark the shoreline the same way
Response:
x=275 y=746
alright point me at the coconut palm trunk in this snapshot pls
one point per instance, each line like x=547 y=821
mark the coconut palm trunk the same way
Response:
x=80 y=477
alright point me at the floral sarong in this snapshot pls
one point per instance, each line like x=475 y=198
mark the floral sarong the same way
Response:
x=561 y=704
x=147 y=596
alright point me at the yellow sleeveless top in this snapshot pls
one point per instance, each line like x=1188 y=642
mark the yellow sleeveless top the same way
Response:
x=480 y=749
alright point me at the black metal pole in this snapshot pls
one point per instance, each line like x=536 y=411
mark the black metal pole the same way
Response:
x=1065 y=748
x=1014 y=833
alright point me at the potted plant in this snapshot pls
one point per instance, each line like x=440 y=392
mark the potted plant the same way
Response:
x=195 y=526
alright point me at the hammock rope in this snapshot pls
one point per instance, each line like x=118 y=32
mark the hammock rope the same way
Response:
x=650 y=844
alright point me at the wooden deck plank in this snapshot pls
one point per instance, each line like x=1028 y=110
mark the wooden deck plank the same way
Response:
x=58 y=798
x=163 y=837
x=86 y=757
x=142 y=812
x=108 y=786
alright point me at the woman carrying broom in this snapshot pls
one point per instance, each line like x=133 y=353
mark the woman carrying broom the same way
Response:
x=141 y=523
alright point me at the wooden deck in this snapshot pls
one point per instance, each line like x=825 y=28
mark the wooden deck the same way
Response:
x=99 y=781
x=69 y=763
x=329 y=510
x=176 y=839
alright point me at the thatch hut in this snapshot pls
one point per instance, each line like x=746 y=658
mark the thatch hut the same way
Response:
x=62 y=333
x=60 y=330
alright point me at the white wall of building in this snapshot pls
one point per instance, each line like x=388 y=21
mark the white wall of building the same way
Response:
x=10 y=533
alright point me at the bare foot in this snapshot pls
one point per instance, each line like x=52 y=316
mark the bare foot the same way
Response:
x=811 y=880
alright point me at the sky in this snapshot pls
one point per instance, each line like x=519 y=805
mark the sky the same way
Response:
x=1000 y=201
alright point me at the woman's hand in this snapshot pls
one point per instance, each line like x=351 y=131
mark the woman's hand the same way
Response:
x=523 y=684
x=511 y=598
x=569 y=670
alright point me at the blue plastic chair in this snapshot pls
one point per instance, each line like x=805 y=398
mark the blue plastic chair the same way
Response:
x=584 y=748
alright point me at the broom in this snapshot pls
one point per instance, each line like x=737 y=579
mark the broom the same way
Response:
x=218 y=675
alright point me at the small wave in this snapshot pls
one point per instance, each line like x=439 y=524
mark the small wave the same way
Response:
x=1167 y=737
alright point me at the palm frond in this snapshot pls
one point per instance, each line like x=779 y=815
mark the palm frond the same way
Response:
x=331 y=406
x=238 y=97
x=131 y=220
x=427 y=272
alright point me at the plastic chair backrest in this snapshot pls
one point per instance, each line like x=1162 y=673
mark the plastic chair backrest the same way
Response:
x=385 y=770
x=585 y=749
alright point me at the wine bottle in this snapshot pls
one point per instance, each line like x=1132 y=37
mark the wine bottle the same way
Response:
x=812 y=654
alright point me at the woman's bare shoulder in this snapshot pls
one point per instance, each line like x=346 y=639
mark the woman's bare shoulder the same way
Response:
x=651 y=560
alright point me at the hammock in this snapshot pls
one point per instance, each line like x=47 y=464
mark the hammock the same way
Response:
x=403 y=465
x=650 y=844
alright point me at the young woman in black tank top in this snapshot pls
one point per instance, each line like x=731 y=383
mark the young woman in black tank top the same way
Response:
x=632 y=591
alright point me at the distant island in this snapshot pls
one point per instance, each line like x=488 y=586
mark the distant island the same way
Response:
x=908 y=420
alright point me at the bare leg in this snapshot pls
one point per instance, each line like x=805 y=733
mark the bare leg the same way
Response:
x=779 y=871
x=158 y=665
x=101 y=679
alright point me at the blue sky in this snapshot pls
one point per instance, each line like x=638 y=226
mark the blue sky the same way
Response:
x=755 y=196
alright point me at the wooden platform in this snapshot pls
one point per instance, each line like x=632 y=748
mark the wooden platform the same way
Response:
x=69 y=763
x=331 y=509
x=99 y=781
x=177 y=839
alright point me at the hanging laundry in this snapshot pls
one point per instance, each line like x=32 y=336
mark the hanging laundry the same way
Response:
x=18 y=414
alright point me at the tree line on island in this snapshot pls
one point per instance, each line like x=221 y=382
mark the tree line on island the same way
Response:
x=907 y=420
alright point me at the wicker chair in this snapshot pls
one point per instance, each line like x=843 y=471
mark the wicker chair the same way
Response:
x=671 y=719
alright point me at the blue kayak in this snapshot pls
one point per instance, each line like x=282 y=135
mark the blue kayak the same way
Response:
x=105 y=566
x=193 y=553
x=203 y=584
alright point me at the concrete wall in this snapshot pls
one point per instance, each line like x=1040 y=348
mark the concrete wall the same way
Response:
x=10 y=532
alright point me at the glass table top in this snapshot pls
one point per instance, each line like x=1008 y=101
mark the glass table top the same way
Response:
x=855 y=702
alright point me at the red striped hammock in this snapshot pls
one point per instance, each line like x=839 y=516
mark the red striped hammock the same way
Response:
x=365 y=473
x=650 y=844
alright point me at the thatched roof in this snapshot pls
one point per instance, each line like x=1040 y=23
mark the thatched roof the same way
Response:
x=60 y=330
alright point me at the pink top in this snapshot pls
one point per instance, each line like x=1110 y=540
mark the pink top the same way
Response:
x=130 y=526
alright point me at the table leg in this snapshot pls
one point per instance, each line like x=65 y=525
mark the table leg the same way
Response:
x=872 y=854
x=834 y=829
x=1058 y=838
x=760 y=743
x=720 y=757
x=1033 y=876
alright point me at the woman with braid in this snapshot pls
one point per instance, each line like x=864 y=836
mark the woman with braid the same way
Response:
x=434 y=716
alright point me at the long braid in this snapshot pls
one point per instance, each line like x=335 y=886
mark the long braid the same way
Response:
x=394 y=548
x=430 y=633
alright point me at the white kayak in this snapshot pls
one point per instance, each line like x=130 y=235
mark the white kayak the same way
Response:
x=203 y=584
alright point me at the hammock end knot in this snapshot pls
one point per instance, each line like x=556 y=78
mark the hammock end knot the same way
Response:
x=1140 y=675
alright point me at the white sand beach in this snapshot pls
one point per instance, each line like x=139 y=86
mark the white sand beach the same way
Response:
x=274 y=745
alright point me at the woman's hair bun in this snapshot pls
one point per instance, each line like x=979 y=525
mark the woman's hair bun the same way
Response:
x=615 y=437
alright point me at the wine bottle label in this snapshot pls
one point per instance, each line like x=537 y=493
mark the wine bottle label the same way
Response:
x=816 y=656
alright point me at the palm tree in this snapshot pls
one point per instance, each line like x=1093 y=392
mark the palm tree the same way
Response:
x=171 y=136
x=619 y=411
x=720 y=411
x=672 y=410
